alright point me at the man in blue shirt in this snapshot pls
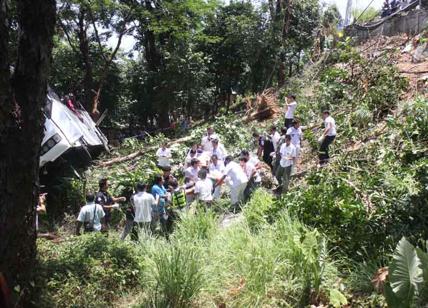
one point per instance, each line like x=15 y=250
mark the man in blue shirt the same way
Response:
x=160 y=194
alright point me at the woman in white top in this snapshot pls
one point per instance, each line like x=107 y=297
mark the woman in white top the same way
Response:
x=290 y=107
x=327 y=137
x=164 y=155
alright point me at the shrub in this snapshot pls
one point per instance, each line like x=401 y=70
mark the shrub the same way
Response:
x=87 y=271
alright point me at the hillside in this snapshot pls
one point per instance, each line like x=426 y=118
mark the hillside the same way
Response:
x=328 y=242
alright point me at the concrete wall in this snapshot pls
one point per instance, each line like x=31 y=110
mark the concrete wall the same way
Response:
x=411 y=22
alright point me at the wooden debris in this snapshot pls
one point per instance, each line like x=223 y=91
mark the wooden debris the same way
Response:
x=264 y=106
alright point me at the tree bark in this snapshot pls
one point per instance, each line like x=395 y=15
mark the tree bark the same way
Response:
x=88 y=78
x=21 y=128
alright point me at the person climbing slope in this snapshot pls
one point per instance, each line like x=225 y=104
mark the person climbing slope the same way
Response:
x=328 y=136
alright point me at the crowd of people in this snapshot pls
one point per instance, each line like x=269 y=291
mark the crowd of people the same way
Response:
x=207 y=169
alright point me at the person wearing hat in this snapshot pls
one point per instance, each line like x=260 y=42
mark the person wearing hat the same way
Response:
x=290 y=107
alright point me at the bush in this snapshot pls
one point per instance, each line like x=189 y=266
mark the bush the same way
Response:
x=86 y=271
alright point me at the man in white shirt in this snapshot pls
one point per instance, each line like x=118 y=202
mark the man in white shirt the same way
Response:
x=164 y=156
x=143 y=204
x=275 y=136
x=252 y=167
x=238 y=180
x=204 y=188
x=90 y=215
x=207 y=138
x=296 y=137
x=277 y=156
x=288 y=157
x=290 y=107
x=218 y=149
x=216 y=169
x=327 y=137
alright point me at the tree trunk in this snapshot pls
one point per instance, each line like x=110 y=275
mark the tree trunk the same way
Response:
x=88 y=78
x=21 y=127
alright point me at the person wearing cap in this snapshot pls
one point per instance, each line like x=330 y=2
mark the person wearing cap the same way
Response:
x=238 y=180
x=164 y=156
x=328 y=136
x=288 y=157
x=296 y=137
x=290 y=107
x=218 y=150
x=206 y=141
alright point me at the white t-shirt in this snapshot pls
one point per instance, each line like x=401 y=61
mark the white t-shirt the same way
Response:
x=219 y=167
x=163 y=157
x=253 y=162
x=86 y=215
x=296 y=135
x=286 y=153
x=191 y=173
x=220 y=151
x=289 y=114
x=206 y=142
x=329 y=121
x=275 y=139
x=204 y=188
x=143 y=203
x=235 y=173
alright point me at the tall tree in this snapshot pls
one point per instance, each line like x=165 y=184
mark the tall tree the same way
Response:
x=87 y=26
x=22 y=97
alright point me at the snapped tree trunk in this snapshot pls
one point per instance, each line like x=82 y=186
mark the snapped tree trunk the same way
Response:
x=21 y=128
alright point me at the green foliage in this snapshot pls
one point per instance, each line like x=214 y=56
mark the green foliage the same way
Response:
x=178 y=277
x=87 y=271
x=408 y=272
x=259 y=210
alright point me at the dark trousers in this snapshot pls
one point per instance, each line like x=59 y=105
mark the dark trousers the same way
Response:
x=323 y=152
x=288 y=123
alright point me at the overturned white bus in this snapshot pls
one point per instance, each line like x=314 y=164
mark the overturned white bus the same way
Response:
x=71 y=132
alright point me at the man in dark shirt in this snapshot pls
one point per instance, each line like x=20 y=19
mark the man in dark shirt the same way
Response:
x=106 y=200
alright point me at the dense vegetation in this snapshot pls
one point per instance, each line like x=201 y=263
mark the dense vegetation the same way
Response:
x=327 y=241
